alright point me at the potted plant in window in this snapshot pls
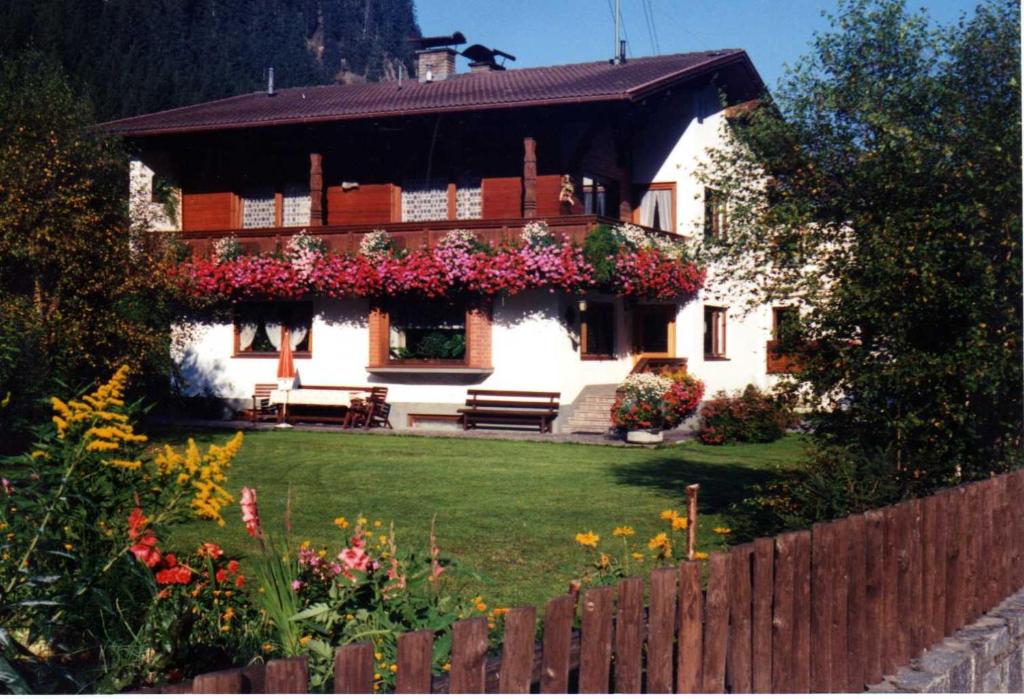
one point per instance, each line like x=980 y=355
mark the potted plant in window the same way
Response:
x=648 y=404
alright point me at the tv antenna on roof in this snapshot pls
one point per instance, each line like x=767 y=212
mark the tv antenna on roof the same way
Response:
x=619 y=49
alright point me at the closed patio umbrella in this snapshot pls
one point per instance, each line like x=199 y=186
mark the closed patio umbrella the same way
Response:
x=285 y=362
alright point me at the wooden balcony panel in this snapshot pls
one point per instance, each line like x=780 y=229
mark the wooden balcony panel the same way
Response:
x=406 y=235
x=778 y=363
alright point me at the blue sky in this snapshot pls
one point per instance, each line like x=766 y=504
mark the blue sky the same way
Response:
x=549 y=32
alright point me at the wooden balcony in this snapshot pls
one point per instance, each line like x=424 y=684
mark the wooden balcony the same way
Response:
x=406 y=235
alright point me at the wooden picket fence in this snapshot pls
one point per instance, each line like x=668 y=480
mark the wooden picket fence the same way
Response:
x=826 y=610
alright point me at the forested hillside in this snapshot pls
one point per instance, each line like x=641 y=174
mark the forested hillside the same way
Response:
x=135 y=56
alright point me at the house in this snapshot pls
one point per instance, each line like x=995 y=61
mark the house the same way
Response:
x=486 y=151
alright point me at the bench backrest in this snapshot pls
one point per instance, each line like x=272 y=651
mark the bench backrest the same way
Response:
x=361 y=389
x=512 y=400
x=261 y=391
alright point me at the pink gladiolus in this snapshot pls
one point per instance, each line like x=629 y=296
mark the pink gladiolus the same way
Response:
x=297 y=585
x=251 y=513
x=355 y=559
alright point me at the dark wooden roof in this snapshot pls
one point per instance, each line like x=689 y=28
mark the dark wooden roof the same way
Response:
x=582 y=82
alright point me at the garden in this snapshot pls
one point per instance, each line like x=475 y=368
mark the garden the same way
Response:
x=123 y=559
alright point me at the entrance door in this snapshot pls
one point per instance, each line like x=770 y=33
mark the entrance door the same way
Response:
x=654 y=331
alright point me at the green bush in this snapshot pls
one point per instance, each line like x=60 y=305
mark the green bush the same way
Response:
x=599 y=249
x=750 y=416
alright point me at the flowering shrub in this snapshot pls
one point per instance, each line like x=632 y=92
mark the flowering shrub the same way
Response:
x=750 y=416
x=639 y=265
x=655 y=402
x=320 y=597
x=81 y=565
x=227 y=249
x=376 y=243
x=627 y=558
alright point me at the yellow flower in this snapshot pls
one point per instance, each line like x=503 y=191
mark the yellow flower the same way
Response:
x=393 y=667
x=623 y=531
x=377 y=523
x=481 y=607
x=446 y=667
x=376 y=675
x=700 y=556
x=589 y=539
x=267 y=647
x=68 y=547
x=659 y=541
x=382 y=539
x=228 y=614
x=637 y=556
x=668 y=515
x=361 y=520
x=722 y=530
x=604 y=561
x=378 y=656
x=341 y=522
x=499 y=611
x=38 y=454
x=304 y=640
x=679 y=524
x=225 y=628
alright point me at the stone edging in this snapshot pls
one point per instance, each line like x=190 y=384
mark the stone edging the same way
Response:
x=986 y=656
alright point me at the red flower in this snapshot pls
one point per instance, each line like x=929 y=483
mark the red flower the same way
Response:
x=232 y=566
x=175 y=575
x=221 y=575
x=240 y=581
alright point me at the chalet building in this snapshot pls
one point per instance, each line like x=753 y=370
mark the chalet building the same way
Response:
x=486 y=151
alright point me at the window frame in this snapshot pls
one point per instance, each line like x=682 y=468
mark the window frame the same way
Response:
x=278 y=191
x=591 y=306
x=639 y=193
x=716 y=220
x=420 y=361
x=238 y=353
x=718 y=331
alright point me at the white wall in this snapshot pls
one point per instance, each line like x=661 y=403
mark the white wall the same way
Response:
x=142 y=209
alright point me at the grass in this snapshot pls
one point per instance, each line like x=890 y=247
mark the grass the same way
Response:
x=508 y=510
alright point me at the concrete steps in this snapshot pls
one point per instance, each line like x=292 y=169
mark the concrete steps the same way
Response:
x=592 y=410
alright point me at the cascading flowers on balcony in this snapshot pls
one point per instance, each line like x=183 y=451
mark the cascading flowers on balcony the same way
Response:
x=628 y=260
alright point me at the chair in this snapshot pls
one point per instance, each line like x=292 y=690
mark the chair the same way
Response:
x=262 y=408
x=378 y=412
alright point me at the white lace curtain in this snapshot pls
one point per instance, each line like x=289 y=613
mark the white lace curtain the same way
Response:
x=656 y=209
x=247 y=333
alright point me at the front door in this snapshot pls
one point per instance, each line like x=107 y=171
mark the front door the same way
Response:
x=654 y=331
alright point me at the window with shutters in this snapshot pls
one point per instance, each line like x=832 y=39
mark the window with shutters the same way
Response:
x=714 y=332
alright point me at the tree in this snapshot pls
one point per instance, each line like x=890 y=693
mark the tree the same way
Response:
x=881 y=190
x=80 y=292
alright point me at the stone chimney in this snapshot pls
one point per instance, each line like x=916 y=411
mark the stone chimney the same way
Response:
x=434 y=64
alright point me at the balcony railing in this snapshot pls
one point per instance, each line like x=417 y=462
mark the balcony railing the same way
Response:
x=406 y=235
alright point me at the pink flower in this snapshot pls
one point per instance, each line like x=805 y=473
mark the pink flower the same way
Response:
x=355 y=559
x=8 y=488
x=251 y=513
x=297 y=585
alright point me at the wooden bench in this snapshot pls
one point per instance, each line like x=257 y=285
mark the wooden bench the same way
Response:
x=262 y=408
x=510 y=409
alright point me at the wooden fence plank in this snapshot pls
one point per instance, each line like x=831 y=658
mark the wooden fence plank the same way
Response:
x=716 y=625
x=661 y=627
x=254 y=679
x=761 y=629
x=182 y=688
x=935 y=568
x=1003 y=519
x=782 y=617
x=954 y=560
x=517 y=651
x=971 y=519
x=287 y=676
x=690 y=658
x=918 y=617
x=821 y=608
x=738 y=673
x=839 y=556
x=596 y=641
x=993 y=549
x=802 y=612
x=353 y=669
x=904 y=586
x=223 y=682
x=629 y=636
x=469 y=653
x=857 y=639
x=415 y=662
x=558 y=618
x=874 y=560
x=890 y=591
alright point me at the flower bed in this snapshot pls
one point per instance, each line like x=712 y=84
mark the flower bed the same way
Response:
x=642 y=266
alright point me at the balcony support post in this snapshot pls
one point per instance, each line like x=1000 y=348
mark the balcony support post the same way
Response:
x=529 y=177
x=316 y=189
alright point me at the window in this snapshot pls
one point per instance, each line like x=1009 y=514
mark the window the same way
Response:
x=260 y=327
x=425 y=200
x=657 y=207
x=784 y=322
x=714 y=332
x=295 y=205
x=715 y=223
x=268 y=207
x=597 y=330
x=595 y=196
x=428 y=333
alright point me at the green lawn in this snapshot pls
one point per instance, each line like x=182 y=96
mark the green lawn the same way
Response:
x=506 y=509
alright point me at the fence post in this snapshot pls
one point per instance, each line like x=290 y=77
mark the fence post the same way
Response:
x=761 y=629
x=802 y=612
x=691 y=516
x=287 y=676
x=821 y=608
x=469 y=653
x=782 y=616
x=223 y=682
x=558 y=618
x=738 y=675
x=716 y=625
x=874 y=548
x=353 y=669
x=856 y=619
